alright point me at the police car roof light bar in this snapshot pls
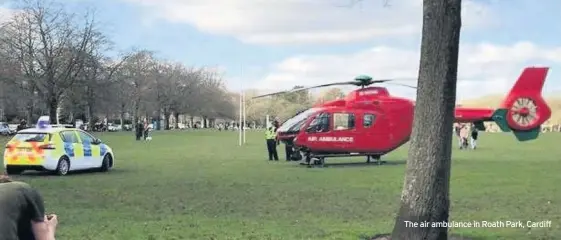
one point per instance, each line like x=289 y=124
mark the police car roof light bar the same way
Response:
x=44 y=122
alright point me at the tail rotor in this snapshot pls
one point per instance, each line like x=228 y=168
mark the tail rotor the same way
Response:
x=524 y=110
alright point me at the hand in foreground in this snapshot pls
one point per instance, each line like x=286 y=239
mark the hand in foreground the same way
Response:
x=52 y=221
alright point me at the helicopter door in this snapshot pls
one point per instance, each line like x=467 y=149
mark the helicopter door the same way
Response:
x=376 y=132
x=317 y=131
x=344 y=131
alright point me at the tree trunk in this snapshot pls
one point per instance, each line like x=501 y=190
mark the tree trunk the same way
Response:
x=136 y=116
x=52 y=104
x=159 y=119
x=122 y=116
x=176 y=116
x=425 y=196
x=91 y=115
x=166 y=119
x=30 y=110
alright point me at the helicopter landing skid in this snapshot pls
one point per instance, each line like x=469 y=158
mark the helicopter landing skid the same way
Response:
x=314 y=162
x=319 y=160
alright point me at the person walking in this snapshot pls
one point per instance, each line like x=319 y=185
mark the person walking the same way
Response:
x=270 y=136
x=464 y=134
x=474 y=135
x=22 y=213
x=149 y=129
x=145 y=129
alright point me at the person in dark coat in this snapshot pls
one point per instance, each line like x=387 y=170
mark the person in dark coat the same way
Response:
x=139 y=130
x=22 y=125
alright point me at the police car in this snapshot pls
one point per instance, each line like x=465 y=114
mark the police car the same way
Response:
x=56 y=149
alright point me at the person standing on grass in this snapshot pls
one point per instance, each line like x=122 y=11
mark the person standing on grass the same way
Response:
x=139 y=130
x=474 y=135
x=270 y=136
x=464 y=134
x=457 y=129
x=145 y=129
x=22 y=213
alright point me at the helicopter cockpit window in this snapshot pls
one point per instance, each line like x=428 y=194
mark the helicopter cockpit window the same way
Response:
x=295 y=123
x=343 y=121
x=320 y=123
x=368 y=120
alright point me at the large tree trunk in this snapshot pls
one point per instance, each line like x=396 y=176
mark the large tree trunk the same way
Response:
x=52 y=104
x=425 y=196
x=136 y=116
x=166 y=119
x=176 y=116
x=91 y=115
x=122 y=116
x=30 y=109
x=159 y=122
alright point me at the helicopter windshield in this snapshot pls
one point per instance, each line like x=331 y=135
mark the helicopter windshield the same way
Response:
x=295 y=123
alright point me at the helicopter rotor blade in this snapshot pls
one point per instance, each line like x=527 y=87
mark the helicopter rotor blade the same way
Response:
x=355 y=83
x=270 y=94
x=322 y=85
x=305 y=88
x=401 y=84
x=381 y=81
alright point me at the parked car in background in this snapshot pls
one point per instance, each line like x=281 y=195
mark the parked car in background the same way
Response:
x=5 y=129
x=111 y=127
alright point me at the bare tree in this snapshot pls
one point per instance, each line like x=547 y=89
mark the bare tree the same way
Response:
x=94 y=83
x=137 y=73
x=52 y=47
x=425 y=196
x=51 y=61
x=186 y=83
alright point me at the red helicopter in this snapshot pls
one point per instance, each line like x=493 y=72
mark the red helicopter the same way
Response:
x=370 y=122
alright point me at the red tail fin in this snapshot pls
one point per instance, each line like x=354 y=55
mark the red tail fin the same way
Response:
x=525 y=105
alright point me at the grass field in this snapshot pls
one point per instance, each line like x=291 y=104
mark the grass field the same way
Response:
x=201 y=185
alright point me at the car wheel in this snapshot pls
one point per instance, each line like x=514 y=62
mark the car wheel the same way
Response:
x=63 y=166
x=106 y=164
x=13 y=171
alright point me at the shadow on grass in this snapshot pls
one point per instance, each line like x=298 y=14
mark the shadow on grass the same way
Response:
x=355 y=164
x=387 y=236
x=73 y=173
x=364 y=164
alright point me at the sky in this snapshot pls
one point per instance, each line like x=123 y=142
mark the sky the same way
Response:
x=276 y=44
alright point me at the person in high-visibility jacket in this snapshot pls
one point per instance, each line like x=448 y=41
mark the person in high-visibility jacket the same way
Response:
x=271 y=137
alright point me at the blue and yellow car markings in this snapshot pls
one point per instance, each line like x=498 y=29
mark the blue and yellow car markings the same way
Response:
x=87 y=149
x=69 y=149
x=102 y=150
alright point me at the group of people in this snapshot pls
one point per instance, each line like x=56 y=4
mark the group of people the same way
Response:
x=466 y=132
x=273 y=142
x=143 y=130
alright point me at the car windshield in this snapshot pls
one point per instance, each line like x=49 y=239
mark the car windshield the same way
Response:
x=295 y=123
x=31 y=137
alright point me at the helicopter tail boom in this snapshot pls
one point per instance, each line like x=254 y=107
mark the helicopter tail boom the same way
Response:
x=523 y=111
